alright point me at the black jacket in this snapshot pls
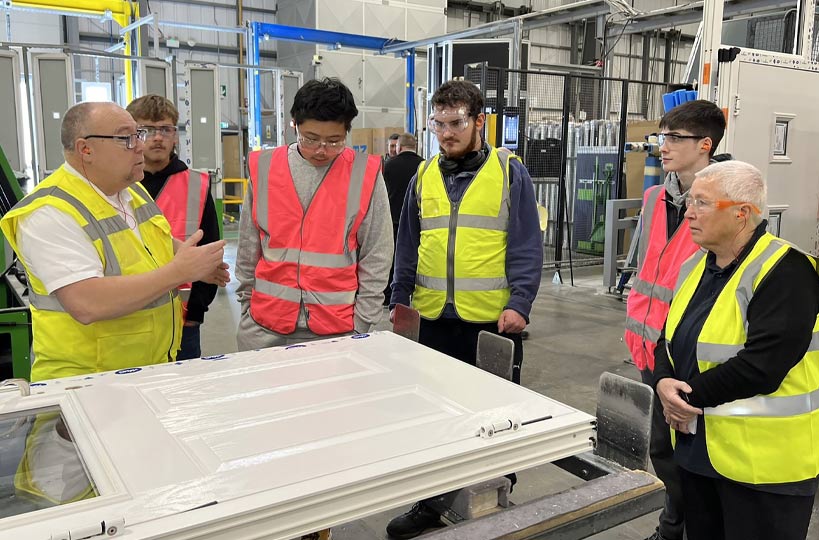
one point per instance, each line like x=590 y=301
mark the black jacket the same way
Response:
x=202 y=294
x=398 y=172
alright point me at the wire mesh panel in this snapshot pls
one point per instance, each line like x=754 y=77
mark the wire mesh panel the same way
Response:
x=569 y=130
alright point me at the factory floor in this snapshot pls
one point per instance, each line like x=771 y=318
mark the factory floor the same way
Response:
x=574 y=336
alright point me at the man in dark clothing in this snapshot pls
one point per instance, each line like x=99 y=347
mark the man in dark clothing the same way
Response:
x=178 y=192
x=398 y=172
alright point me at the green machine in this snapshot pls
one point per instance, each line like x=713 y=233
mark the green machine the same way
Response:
x=15 y=316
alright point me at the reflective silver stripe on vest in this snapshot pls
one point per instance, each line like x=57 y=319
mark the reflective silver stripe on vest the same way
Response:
x=145 y=212
x=466 y=220
x=429 y=224
x=309 y=258
x=162 y=300
x=45 y=302
x=462 y=284
x=109 y=226
x=688 y=267
x=745 y=287
x=643 y=330
x=768 y=406
x=262 y=188
x=295 y=295
x=663 y=294
x=52 y=303
x=717 y=353
x=647 y=216
x=93 y=228
x=192 y=218
x=354 y=194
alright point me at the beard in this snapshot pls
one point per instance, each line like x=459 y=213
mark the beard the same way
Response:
x=471 y=147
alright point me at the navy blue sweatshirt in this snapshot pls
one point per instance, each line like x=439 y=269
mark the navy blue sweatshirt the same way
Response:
x=524 y=252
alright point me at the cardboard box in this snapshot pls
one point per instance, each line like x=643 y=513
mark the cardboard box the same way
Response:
x=231 y=157
x=380 y=136
x=361 y=140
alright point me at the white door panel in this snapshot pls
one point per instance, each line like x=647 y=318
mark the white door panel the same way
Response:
x=291 y=440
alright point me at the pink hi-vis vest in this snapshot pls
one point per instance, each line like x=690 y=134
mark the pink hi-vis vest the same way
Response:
x=660 y=261
x=182 y=201
x=309 y=257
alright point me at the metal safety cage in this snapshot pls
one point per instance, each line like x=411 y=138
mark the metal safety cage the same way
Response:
x=569 y=129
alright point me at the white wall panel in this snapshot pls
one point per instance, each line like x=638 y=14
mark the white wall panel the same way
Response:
x=428 y=3
x=384 y=81
x=340 y=16
x=375 y=118
x=29 y=27
x=385 y=21
x=422 y=24
x=347 y=67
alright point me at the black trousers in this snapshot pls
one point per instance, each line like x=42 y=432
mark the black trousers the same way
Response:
x=672 y=516
x=718 y=509
x=459 y=339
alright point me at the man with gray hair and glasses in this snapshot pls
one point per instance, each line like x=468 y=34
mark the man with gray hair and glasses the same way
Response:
x=102 y=267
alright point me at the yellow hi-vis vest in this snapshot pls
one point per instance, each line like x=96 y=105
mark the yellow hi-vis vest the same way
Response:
x=765 y=439
x=63 y=346
x=462 y=253
x=51 y=484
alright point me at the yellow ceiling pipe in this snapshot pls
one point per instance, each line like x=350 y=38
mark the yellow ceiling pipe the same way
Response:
x=121 y=13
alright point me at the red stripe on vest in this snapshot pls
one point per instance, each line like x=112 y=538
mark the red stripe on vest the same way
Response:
x=318 y=230
x=661 y=267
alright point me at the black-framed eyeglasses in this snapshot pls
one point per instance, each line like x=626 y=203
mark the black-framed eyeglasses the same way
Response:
x=163 y=131
x=674 y=138
x=129 y=140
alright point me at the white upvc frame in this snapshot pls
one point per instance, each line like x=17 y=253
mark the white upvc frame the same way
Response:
x=143 y=66
x=112 y=492
x=22 y=136
x=41 y=168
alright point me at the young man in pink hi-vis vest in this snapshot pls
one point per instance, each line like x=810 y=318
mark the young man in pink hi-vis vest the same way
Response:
x=315 y=235
x=689 y=135
x=184 y=197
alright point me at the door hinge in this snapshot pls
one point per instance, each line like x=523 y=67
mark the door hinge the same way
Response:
x=103 y=529
x=487 y=431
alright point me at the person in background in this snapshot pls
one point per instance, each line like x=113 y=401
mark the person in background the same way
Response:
x=315 y=242
x=469 y=252
x=737 y=367
x=397 y=174
x=689 y=135
x=102 y=266
x=184 y=197
x=392 y=147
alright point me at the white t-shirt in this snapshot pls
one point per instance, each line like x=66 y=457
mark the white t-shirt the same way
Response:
x=57 y=249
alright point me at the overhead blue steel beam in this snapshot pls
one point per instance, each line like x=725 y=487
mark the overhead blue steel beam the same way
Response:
x=322 y=37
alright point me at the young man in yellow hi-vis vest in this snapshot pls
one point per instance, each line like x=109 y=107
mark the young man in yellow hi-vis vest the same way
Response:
x=469 y=250
x=101 y=263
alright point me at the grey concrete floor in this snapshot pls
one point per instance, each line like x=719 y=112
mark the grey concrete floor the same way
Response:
x=575 y=335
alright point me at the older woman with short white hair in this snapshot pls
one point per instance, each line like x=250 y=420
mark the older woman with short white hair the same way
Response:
x=737 y=370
